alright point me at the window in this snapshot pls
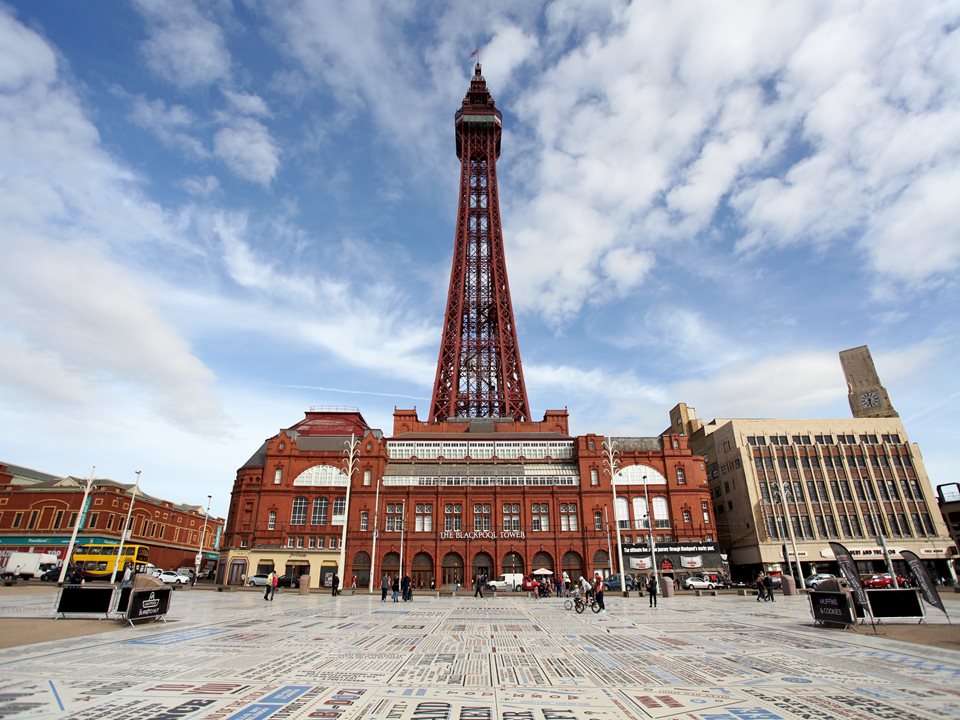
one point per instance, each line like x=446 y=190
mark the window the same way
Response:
x=58 y=519
x=594 y=477
x=424 y=517
x=706 y=511
x=320 y=508
x=272 y=520
x=277 y=476
x=453 y=516
x=367 y=477
x=290 y=541
x=300 y=541
x=481 y=516
x=681 y=477
x=298 y=516
x=568 y=516
x=598 y=521
x=312 y=543
x=92 y=522
x=640 y=518
x=686 y=516
x=511 y=516
x=339 y=506
x=394 y=517
x=541 y=516
x=364 y=520
x=661 y=513
x=243 y=542
x=676 y=444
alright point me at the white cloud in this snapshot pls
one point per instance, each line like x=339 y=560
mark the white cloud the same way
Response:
x=247 y=148
x=183 y=47
x=201 y=186
x=247 y=104
x=170 y=125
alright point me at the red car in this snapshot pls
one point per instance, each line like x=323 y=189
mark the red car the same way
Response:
x=883 y=581
x=530 y=584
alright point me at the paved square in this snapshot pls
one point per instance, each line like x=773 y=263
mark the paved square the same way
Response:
x=234 y=656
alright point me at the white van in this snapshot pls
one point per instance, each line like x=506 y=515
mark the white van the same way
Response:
x=509 y=581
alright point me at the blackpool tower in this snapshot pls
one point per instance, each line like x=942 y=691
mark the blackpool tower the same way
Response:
x=478 y=372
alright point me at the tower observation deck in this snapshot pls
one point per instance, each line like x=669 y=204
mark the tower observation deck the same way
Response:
x=479 y=372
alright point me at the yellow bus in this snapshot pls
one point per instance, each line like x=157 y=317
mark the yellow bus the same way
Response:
x=96 y=561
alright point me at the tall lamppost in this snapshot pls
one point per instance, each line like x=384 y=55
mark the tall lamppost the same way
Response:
x=125 y=535
x=376 y=531
x=611 y=459
x=403 y=519
x=81 y=516
x=350 y=452
x=653 y=545
x=203 y=536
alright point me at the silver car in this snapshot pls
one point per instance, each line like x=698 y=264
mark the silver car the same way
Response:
x=813 y=580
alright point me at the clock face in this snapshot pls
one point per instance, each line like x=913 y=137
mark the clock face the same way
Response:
x=870 y=399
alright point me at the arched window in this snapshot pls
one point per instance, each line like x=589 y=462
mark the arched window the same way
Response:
x=320 y=508
x=298 y=515
x=623 y=512
x=681 y=477
x=640 y=519
x=661 y=513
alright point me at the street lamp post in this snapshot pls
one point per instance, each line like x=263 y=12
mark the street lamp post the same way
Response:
x=203 y=535
x=653 y=545
x=350 y=451
x=611 y=458
x=376 y=531
x=403 y=518
x=125 y=535
x=76 y=526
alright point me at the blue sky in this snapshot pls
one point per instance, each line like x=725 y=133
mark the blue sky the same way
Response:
x=216 y=215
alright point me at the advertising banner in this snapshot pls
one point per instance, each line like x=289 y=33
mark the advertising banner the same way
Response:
x=641 y=563
x=831 y=607
x=148 y=603
x=924 y=581
x=691 y=561
x=849 y=570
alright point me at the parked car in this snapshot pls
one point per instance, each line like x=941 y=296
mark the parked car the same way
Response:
x=698 y=582
x=506 y=582
x=51 y=575
x=529 y=583
x=170 y=577
x=288 y=581
x=883 y=580
x=261 y=579
x=613 y=582
x=813 y=581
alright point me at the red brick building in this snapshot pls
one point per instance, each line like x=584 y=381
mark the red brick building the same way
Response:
x=38 y=512
x=444 y=501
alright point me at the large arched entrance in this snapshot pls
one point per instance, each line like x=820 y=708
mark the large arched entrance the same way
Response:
x=361 y=570
x=482 y=565
x=391 y=564
x=572 y=565
x=422 y=567
x=542 y=560
x=601 y=563
x=512 y=563
x=452 y=569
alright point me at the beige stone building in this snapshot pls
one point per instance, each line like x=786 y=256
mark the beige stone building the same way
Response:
x=791 y=486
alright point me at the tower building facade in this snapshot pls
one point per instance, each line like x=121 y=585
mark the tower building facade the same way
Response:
x=867 y=396
x=479 y=487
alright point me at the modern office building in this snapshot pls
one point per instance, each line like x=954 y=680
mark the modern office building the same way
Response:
x=783 y=489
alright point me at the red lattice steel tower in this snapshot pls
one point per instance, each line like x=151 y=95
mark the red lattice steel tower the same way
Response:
x=479 y=372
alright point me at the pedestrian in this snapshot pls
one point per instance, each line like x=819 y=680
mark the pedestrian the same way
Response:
x=127 y=575
x=653 y=591
x=433 y=583
x=274 y=584
x=405 y=588
x=268 y=588
x=584 y=586
x=353 y=584
x=598 y=591
x=559 y=587
x=761 y=592
x=478 y=586
x=396 y=589
x=384 y=587
x=768 y=587
x=336 y=585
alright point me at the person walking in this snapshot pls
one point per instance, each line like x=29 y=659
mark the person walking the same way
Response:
x=768 y=587
x=335 y=590
x=274 y=583
x=478 y=586
x=396 y=589
x=268 y=587
x=652 y=585
x=761 y=591
x=598 y=591
x=384 y=587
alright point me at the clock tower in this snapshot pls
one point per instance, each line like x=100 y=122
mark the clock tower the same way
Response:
x=868 y=398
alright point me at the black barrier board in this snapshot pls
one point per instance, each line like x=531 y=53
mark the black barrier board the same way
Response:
x=832 y=607
x=148 y=603
x=124 y=600
x=895 y=604
x=92 y=599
